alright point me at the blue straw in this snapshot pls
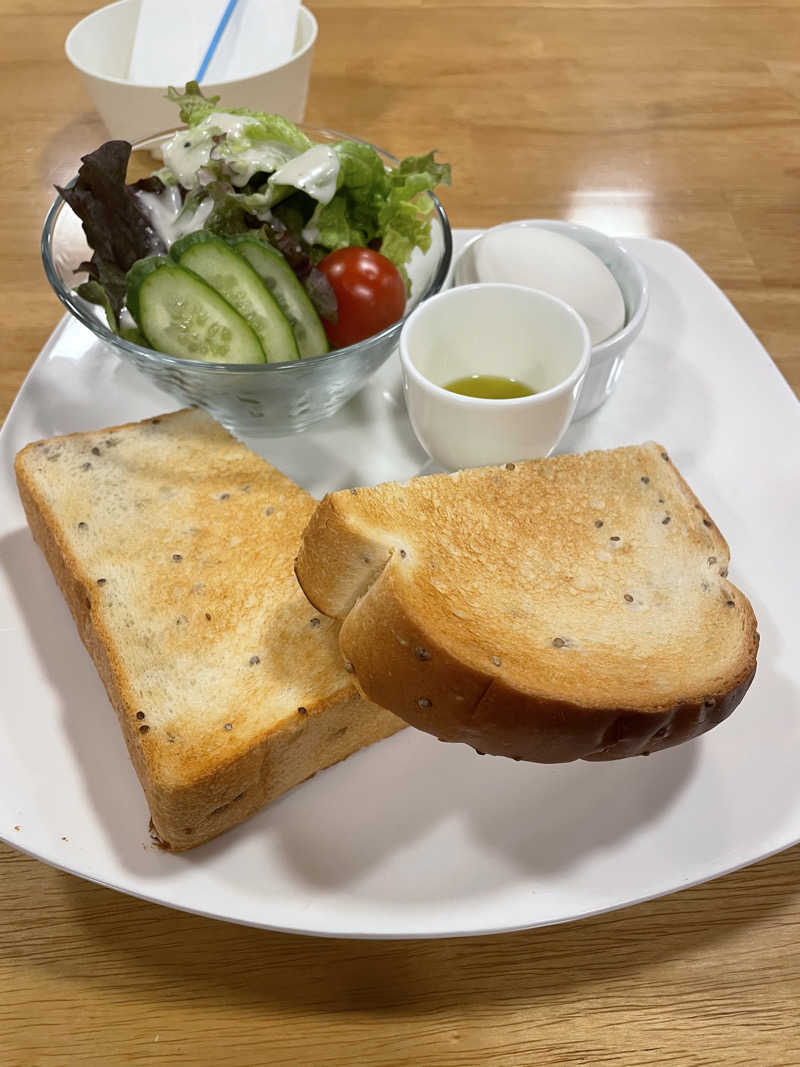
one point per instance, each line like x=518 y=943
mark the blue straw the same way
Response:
x=223 y=22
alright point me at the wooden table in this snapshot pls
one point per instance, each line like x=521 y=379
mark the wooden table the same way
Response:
x=673 y=118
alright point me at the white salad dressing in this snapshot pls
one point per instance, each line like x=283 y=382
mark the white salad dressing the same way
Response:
x=266 y=156
x=315 y=171
x=169 y=218
x=189 y=151
x=311 y=234
x=187 y=156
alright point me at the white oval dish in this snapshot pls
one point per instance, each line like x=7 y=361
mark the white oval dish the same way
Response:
x=411 y=838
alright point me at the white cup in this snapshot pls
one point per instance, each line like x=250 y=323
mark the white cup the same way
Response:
x=507 y=331
x=100 y=46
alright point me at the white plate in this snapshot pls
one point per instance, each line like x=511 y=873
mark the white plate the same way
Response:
x=411 y=838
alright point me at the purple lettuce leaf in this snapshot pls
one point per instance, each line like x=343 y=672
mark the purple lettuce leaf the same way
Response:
x=117 y=229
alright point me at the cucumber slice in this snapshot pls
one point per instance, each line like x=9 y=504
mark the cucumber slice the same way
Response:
x=180 y=315
x=293 y=300
x=236 y=281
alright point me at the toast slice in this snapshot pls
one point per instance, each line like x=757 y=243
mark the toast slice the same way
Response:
x=549 y=610
x=173 y=546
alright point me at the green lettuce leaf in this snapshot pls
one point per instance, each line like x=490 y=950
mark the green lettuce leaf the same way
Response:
x=95 y=293
x=361 y=169
x=375 y=205
x=274 y=128
x=229 y=214
x=412 y=167
x=196 y=108
x=404 y=216
x=336 y=224
x=403 y=234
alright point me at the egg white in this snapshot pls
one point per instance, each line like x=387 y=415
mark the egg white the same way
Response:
x=541 y=259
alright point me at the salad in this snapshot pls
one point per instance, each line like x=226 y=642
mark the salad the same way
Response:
x=251 y=243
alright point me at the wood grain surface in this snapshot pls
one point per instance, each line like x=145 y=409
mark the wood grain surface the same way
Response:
x=672 y=118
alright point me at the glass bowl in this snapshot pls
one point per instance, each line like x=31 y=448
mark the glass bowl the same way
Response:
x=254 y=399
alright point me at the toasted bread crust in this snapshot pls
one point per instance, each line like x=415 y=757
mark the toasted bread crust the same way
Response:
x=338 y=561
x=398 y=663
x=211 y=791
x=405 y=660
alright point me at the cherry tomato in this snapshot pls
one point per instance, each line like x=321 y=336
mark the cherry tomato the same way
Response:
x=370 y=294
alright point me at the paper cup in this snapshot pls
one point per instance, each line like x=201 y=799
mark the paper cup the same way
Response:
x=100 y=48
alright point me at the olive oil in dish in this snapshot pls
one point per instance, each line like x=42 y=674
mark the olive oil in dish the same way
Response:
x=490 y=387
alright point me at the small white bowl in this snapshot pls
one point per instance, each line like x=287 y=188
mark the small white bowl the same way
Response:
x=608 y=356
x=100 y=46
x=495 y=329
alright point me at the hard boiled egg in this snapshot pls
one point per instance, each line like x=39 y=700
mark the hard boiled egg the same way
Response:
x=542 y=259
